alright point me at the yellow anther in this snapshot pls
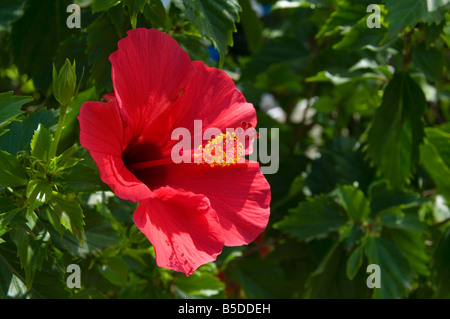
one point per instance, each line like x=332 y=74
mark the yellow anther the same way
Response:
x=222 y=150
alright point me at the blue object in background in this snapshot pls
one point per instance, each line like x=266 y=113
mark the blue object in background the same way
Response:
x=266 y=8
x=213 y=53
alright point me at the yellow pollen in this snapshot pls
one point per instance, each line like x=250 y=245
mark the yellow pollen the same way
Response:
x=222 y=150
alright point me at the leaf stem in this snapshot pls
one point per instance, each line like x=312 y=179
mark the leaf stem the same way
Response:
x=62 y=117
x=407 y=50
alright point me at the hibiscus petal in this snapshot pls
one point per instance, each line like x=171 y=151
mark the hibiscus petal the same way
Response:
x=182 y=227
x=149 y=70
x=239 y=193
x=101 y=133
x=222 y=104
x=211 y=96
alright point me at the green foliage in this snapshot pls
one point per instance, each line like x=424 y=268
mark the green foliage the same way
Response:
x=364 y=174
x=35 y=37
x=312 y=219
x=215 y=20
x=394 y=144
x=10 y=110
x=435 y=157
x=12 y=173
x=202 y=284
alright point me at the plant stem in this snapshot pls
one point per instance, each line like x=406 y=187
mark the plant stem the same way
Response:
x=62 y=117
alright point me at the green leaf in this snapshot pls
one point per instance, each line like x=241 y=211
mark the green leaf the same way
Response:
x=252 y=26
x=31 y=249
x=433 y=5
x=440 y=268
x=400 y=220
x=97 y=236
x=354 y=202
x=260 y=278
x=215 y=20
x=358 y=37
x=6 y=204
x=65 y=160
x=355 y=261
x=325 y=261
x=12 y=173
x=413 y=247
x=407 y=13
x=16 y=287
x=12 y=283
x=5 y=218
x=314 y=218
x=325 y=76
x=402 y=14
x=279 y=77
x=20 y=133
x=284 y=50
x=353 y=234
x=35 y=38
x=433 y=32
x=10 y=107
x=134 y=8
x=114 y=270
x=69 y=213
x=71 y=124
x=102 y=40
x=341 y=162
x=48 y=283
x=384 y=199
x=435 y=157
x=156 y=14
x=195 y=47
x=135 y=235
x=47 y=214
x=429 y=60
x=439 y=137
x=41 y=143
x=346 y=14
x=200 y=283
x=396 y=275
x=104 y=5
x=329 y=279
x=394 y=145
x=39 y=192
x=82 y=178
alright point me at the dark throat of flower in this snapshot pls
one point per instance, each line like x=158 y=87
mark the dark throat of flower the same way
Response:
x=148 y=164
x=223 y=150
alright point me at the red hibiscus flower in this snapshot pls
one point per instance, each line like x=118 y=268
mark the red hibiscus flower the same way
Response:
x=188 y=211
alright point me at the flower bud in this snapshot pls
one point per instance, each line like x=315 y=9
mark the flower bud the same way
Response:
x=64 y=83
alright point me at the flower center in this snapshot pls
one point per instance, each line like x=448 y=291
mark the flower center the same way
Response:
x=223 y=150
x=148 y=164
x=145 y=161
x=142 y=158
